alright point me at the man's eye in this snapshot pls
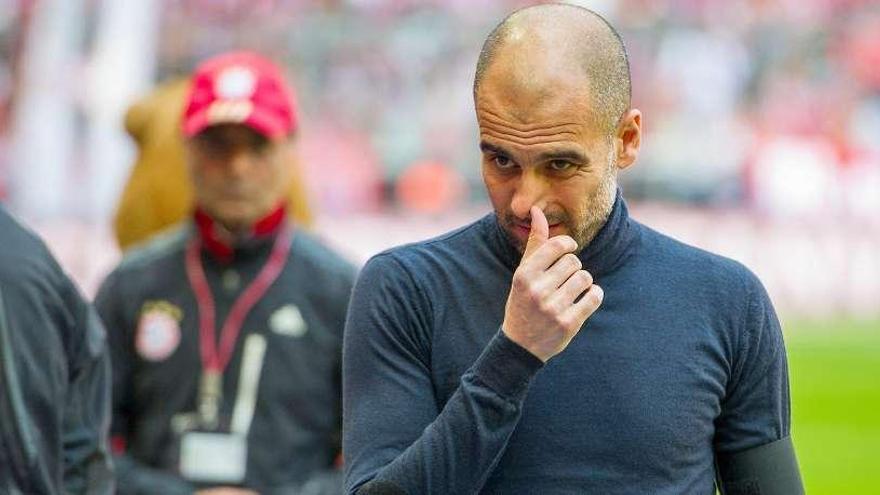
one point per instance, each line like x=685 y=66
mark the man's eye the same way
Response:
x=560 y=165
x=213 y=151
x=262 y=150
x=502 y=161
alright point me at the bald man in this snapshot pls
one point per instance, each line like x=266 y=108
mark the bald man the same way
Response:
x=557 y=345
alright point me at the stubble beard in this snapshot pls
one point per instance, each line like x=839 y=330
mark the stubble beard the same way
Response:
x=599 y=207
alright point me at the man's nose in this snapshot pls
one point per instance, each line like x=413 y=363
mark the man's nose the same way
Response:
x=239 y=163
x=530 y=191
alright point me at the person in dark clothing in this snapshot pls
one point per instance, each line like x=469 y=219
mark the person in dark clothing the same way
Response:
x=54 y=376
x=489 y=360
x=226 y=333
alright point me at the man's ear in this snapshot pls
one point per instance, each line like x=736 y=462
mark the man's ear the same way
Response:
x=628 y=138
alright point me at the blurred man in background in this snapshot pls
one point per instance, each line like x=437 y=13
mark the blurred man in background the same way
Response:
x=54 y=376
x=158 y=193
x=451 y=387
x=226 y=333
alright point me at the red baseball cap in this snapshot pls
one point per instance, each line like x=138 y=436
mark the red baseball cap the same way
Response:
x=240 y=88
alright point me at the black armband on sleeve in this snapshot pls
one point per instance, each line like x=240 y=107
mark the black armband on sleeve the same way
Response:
x=769 y=469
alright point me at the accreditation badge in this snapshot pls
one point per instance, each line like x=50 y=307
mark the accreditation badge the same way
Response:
x=209 y=453
x=213 y=457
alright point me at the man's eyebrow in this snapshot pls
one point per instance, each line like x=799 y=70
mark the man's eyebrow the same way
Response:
x=487 y=147
x=568 y=155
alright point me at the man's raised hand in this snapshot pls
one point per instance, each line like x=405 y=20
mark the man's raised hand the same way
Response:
x=541 y=313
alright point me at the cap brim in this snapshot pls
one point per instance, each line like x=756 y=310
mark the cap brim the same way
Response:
x=263 y=122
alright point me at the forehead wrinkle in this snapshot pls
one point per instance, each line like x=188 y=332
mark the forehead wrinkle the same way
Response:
x=489 y=115
x=557 y=135
x=502 y=127
x=520 y=141
x=538 y=131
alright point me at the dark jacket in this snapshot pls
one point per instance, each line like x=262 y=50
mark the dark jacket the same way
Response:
x=54 y=376
x=294 y=438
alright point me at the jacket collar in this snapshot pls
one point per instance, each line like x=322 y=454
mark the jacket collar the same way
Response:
x=261 y=235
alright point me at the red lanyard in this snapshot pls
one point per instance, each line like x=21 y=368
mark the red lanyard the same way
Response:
x=214 y=359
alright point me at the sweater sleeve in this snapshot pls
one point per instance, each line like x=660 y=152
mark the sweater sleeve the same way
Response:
x=757 y=406
x=396 y=434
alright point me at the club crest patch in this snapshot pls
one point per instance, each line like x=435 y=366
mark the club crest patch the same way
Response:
x=287 y=320
x=158 y=331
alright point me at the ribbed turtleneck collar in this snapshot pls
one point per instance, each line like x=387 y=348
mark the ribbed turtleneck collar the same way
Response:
x=607 y=251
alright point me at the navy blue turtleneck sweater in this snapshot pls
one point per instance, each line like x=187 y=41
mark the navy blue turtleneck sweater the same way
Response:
x=683 y=360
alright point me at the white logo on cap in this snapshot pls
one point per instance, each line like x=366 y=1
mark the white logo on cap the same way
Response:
x=235 y=83
x=288 y=321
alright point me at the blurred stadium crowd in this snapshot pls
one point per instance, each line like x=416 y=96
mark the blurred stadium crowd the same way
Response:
x=768 y=108
x=743 y=99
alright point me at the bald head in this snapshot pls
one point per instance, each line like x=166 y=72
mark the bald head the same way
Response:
x=538 y=48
